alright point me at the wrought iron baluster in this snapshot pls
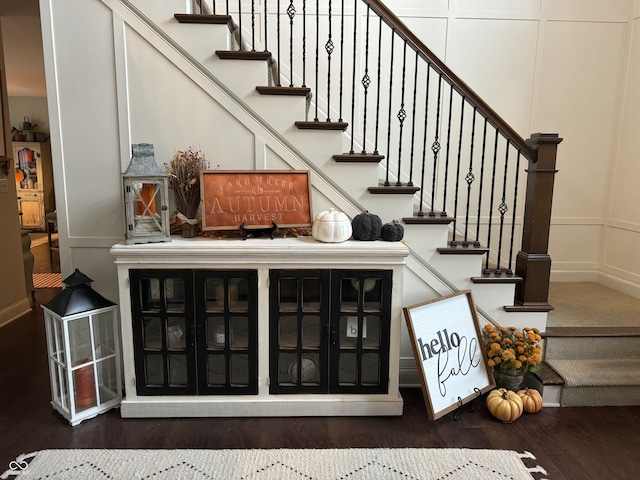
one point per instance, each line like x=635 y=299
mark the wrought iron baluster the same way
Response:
x=227 y=3
x=266 y=30
x=375 y=147
x=304 y=43
x=435 y=148
x=513 y=220
x=353 y=74
x=291 y=13
x=402 y=114
x=443 y=213
x=503 y=208
x=317 y=54
x=278 y=83
x=469 y=178
x=482 y=163
x=329 y=49
x=253 y=25
x=424 y=143
x=491 y=197
x=340 y=119
x=454 y=243
x=239 y=24
x=413 y=119
x=213 y=4
x=386 y=180
x=366 y=82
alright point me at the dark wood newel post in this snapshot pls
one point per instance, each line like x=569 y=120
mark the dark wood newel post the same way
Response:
x=533 y=262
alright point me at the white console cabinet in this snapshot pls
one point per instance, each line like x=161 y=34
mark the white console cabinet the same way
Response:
x=260 y=327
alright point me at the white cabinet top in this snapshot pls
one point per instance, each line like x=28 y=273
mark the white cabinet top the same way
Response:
x=300 y=252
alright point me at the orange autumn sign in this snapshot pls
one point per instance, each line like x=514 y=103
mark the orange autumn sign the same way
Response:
x=255 y=198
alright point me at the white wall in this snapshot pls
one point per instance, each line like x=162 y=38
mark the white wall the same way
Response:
x=33 y=107
x=564 y=65
x=620 y=264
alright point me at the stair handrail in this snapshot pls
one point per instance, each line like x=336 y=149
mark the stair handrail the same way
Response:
x=392 y=20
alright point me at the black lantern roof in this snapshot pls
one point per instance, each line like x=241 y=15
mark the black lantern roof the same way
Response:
x=77 y=297
x=143 y=162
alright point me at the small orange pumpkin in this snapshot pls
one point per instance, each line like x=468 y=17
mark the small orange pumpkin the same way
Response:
x=504 y=404
x=19 y=175
x=531 y=400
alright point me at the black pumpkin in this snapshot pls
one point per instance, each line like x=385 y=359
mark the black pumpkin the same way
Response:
x=392 y=232
x=366 y=226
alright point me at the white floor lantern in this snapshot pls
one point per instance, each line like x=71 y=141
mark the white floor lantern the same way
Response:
x=84 y=350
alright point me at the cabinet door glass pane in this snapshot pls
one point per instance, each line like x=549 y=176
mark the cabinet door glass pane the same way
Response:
x=238 y=295
x=311 y=331
x=311 y=290
x=372 y=290
x=150 y=291
x=349 y=293
x=371 y=332
x=174 y=293
x=348 y=369
x=370 y=374
x=154 y=369
x=214 y=292
x=239 y=333
x=239 y=364
x=152 y=332
x=178 y=370
x=286 y=362
x=216 y=366
x=288 y=294
x=216 y=333
x=176 y=333
x=350 y=331
x=288 y=331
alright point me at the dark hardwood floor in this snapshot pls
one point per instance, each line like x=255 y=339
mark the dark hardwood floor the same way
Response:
x=570 y=443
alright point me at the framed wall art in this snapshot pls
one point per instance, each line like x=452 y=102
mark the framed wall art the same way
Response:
x=255 y=199
x=449 y=352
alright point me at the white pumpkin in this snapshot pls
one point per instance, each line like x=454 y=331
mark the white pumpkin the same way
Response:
x=331 y=227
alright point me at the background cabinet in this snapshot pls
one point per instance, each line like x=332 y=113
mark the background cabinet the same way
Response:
x=34 y=182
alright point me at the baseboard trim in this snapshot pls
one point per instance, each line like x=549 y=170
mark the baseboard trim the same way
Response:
x=619 y=284
x=12 y=312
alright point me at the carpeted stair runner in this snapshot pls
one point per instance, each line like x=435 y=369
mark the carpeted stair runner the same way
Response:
x=600 y=366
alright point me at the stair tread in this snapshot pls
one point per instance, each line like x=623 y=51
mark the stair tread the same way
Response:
x=202 y=18
x=548 y=376
x=430 y=218
x=325 y=125
x=283 y=90
x=591 y=332
x=598 y=372
x=242 y=55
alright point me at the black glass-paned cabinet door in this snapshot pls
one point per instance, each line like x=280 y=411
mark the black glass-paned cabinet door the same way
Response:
x=298 y=331
x=163 y=333
x=227 y=331
x=360 y=316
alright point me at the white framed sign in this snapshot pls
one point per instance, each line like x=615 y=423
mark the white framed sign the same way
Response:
x=449 y=352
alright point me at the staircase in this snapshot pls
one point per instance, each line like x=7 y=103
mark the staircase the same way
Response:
x=468 y=164
x=591 y=366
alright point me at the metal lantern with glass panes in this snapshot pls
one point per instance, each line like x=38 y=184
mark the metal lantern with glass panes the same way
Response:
x=84 y=350
x=146 y=194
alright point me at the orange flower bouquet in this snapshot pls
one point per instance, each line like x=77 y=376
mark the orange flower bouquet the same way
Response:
x=511 y=351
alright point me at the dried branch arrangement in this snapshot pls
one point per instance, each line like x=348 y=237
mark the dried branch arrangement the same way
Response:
x=184 y=179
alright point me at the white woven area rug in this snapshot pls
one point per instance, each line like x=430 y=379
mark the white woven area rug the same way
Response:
x=285 y=464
